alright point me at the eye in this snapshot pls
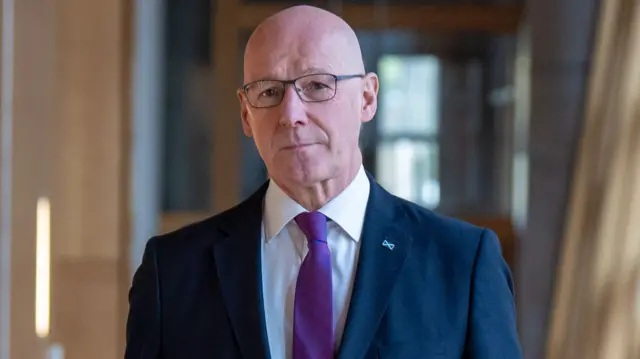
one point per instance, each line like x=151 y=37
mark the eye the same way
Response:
x=316 y=86
x=270 y=92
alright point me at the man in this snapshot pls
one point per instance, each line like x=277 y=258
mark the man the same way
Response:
x=321 y=262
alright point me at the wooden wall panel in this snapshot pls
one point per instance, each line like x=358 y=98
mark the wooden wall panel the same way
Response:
x=499 y=19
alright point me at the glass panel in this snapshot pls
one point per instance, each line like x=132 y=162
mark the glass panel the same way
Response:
x=187 y=112
x=457 y=109
x=409 y=169
x=409 y=94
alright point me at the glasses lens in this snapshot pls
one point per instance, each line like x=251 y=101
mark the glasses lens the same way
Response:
x=264 y=93
x=315 y=88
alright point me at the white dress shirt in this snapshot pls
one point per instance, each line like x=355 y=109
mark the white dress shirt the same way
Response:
x=285 y=246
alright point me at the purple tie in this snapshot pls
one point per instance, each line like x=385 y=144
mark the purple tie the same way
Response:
x=313 y=336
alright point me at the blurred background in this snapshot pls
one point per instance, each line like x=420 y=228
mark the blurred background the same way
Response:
x=119 y=121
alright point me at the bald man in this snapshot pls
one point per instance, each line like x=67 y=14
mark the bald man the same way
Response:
x=321 y=262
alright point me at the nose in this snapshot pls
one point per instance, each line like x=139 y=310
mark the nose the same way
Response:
x=293 y=109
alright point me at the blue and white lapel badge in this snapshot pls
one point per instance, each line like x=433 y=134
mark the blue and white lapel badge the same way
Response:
x=388 y=245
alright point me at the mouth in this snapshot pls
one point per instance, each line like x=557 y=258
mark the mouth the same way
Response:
x=298 y=146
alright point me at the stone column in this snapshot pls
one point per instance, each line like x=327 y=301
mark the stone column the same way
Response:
x=146 y=121
x=561 y=41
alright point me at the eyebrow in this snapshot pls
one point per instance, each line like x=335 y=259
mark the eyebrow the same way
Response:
x=314 y=70
x=307 y=71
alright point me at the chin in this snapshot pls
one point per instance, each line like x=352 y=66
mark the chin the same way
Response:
x=304 y=174
x=308 y=176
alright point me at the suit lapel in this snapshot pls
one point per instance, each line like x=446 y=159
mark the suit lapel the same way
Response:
x=383 y=251
x=238 y=262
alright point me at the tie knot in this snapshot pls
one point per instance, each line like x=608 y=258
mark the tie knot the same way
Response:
x=313 y=225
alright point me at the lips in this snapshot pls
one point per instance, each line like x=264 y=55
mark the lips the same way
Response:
x=298 y=146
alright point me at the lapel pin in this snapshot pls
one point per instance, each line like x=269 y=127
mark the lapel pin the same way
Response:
x=388 y=245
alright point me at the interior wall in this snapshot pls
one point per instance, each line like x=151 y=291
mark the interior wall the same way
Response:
x=89 y=252
x=29 y=94
x=68 y=145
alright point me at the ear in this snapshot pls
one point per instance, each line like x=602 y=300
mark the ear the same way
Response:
x=244 y=114
x=370 y=97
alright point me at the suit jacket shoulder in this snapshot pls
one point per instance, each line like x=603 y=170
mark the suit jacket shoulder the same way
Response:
x=197 y=292
x=453 y=280
x=447 y=237
x=202 y=233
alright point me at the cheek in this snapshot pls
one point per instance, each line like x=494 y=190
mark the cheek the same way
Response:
x=263 y=134
x=343 y=128
x=262 y=137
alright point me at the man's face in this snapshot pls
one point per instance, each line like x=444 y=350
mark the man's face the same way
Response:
x=301 y=141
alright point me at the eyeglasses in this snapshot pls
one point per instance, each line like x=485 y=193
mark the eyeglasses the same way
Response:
x=310 y=88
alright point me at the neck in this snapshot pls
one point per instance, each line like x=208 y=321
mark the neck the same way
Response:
x=315 y=196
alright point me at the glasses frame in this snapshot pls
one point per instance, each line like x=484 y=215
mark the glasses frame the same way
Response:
x=284 y=83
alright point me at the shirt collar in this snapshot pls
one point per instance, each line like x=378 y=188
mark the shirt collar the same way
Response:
x=347 y=209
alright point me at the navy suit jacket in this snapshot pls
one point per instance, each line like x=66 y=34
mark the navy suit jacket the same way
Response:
x=442 y=291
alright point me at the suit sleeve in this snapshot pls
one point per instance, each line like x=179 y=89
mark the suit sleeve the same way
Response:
x=143 y=322
x=492 y=331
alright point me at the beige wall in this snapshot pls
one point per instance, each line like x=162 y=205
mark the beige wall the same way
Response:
x=70 y=144
x=90 y=254
x=32 y=105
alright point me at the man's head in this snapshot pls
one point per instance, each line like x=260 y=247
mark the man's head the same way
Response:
x=309 y=135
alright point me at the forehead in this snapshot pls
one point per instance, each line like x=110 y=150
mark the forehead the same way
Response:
x=286 y=58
